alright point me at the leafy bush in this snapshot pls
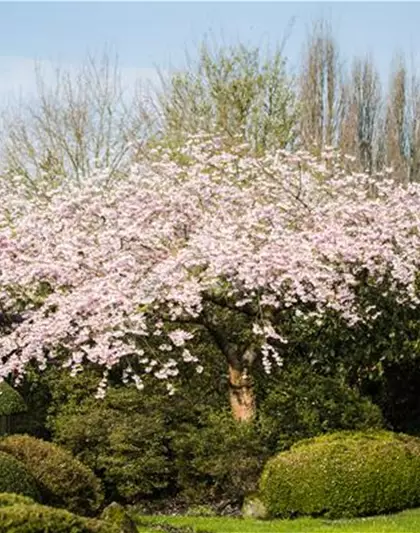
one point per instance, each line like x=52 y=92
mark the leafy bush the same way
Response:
x=41 y=519
x=218 y=458
x=63 y=480
x=9 y=498
x=11 y=402
x=344 y=474
x=303 y=404
x=15 y=477
x=126 y=438
x=145 y=447
x=123 y=439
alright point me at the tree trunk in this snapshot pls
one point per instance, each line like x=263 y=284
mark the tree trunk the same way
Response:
x=241 y=395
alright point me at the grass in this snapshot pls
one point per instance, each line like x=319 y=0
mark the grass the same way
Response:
x=404 y=522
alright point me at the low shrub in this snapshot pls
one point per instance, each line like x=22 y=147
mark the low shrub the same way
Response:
x=9 y=498
x=41 y=519
x=344 y=475
x=62 y=480
x=15 y=477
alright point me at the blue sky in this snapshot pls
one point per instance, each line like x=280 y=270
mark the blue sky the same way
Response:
x=159 y=33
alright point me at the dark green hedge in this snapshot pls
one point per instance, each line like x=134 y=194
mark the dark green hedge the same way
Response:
x=15 y=477
x=62 y=480
x=343 y=475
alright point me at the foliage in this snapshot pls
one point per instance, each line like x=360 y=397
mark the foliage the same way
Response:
x=124 y=444
x=231 y=89
x=148 y=446
x=117 y=515
x=15 y=477
x=35 y=390
x=217 y=458
x=63 y=480
x=11 y=402
x=318 y=242
x=302 y=403
x=10 y=498
x=126 y=437
x=344 y=474
x=395 y=390
x=40 y=519
x=11 y=406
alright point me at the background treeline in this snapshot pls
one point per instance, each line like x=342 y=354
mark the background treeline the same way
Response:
x=87 y=119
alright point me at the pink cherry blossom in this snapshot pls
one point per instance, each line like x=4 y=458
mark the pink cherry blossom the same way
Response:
x=125 y=264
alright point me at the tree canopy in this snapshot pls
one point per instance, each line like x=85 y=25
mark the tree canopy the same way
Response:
x=200 y=239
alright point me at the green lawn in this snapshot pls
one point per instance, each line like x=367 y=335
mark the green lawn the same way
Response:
x=405 y=522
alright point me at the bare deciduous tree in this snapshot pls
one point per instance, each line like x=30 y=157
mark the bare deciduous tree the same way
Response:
x=321 y=94
x=74 y=125
x=362 y=126
x=396 y=125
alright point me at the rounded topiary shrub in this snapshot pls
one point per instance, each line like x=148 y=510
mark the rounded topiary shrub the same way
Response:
x=15 y=477
x=343 y=475
x=62 y=480
x=11 y=402
x=41 y=519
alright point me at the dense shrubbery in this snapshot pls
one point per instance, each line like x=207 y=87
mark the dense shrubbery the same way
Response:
x=146 y=447
x=125 y=438
x=217 y=457
x=343 y=475
x=62 y=480
x=15 y=477
x=40 y=519
x=302 y=404
x=123 y=443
